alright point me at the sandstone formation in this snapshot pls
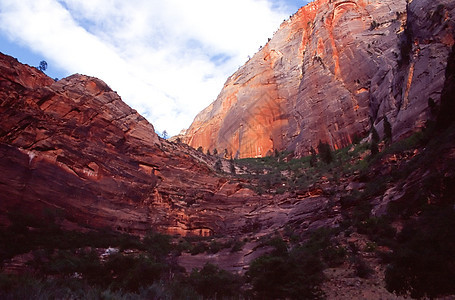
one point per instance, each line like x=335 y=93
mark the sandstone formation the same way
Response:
x=75 y=148
x=327 y=73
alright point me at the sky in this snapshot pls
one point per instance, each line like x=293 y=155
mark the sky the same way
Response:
x=166 y=59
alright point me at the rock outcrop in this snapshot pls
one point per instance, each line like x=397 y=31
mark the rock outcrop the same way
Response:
x=331 y=70
x=74 y=146
x=75 y=149
x=72 y=149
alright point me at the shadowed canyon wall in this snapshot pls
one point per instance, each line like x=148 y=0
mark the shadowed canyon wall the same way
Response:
x=74 y=147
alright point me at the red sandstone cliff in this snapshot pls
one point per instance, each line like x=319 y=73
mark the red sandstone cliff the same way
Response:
x=75 y=148
x=72 y=147
x=330 y=69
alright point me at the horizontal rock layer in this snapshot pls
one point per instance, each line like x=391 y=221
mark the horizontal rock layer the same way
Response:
x=73 y=148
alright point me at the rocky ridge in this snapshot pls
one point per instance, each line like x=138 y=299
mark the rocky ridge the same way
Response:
x=327 y=73
x=73 y=146
x=74 y=149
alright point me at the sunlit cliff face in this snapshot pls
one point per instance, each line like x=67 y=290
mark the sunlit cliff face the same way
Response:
x=326 y=74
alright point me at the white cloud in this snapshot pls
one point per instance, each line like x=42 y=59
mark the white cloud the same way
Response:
x=167 y=59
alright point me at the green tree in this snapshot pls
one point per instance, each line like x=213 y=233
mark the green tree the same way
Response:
x=374 y=141
x=218 y=165
x=387 y=131
x=232 y=166
x=432 y=105
x=313 y=159
x=422 y=263
x=374 y=135
x=447 y=105
x=42 y=66
x=290 y=274
x=325 y=152
x=374 y=148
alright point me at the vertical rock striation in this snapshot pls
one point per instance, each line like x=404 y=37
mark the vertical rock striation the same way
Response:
x=328 y=72
x=75 y=149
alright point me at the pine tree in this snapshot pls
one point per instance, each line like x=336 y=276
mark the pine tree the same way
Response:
x=232 y=166
x=42 y=66
x=374 y=135
x=374 y=141
x=218 y=165
x=325 y=152
x=374 y=148
x=313 y=159
x=387 y=131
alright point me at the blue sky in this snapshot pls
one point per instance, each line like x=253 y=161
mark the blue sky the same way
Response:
x=166 y=59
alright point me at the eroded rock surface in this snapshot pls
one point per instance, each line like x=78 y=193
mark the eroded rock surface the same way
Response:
x=327 y=72
x=75 y=147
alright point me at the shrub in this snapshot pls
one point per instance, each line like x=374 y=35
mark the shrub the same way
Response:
x=378 y=229
x=200 y=247
x=237 y=246
x=374 y=25
x=362 y=269
x=432 y=105
x=213 y=282
x=215 y=247
x=422 y=263
x=157 y=245
x=356 y=139
x=296 y=274
x=130 y=273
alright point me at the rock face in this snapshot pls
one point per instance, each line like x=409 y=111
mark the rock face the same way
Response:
x=330 y=70
x=75 y=149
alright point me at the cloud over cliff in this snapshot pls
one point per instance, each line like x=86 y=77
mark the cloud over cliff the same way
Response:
x=167 y=59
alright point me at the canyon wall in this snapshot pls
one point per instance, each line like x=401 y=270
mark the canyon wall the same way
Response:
x=73 y=147
x=72 y=150
x=327 y=73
